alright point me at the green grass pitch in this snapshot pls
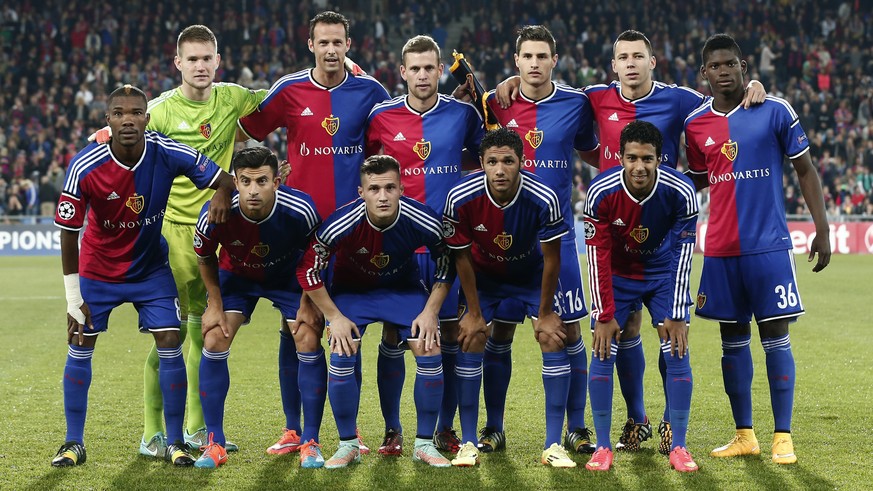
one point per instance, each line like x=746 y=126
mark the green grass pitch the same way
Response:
x=832 y=419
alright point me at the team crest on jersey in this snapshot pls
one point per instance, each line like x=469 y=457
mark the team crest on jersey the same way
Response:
x=448 y=229
x=380 y=260
x=701 y=300
x=589 y=230
x=534 y=137
x=640 y=234
x=503 y=241
x=206 y=129
x=261 y=250
x=729 y=150
x=331 y=124
x=136 y=203
x=422 y=149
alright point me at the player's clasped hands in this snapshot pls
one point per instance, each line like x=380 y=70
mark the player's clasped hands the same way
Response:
x=603 y=335
x=344 y=336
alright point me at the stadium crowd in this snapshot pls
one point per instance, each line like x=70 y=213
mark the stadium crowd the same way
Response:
x=58 y=62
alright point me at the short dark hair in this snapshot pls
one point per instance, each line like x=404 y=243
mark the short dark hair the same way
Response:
x=632 y=35
x=126 y=90
x=197 y=33
x=717 y=42
x=255 y=157
x=419 y=44
x=502 y=137
x=535 y=33
x=379 y=164
x=641 y=132
x=328 y=17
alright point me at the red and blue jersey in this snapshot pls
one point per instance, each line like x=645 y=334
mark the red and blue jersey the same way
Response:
x=267 y=250
x=665 y=106
x=369 y=257
x=551 y=128
x=325 y=131
x=505 y=240
x=640 y=239
x=741 y=153
x=428 y=145
x=126 y=205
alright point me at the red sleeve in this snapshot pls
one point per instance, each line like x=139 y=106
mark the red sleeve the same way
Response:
x=372 y=141
x=696 y=158
x=598 y=244
x=271 y=114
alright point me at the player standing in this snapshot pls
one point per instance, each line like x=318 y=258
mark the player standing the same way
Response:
x=124 y=188
x=553 y=120
x=324 y=110
x=504 y=225
x=640 y=229
x=203 y=114
x=376 y=279
x=636 y=96
x=426 y=132
x=748 y=265
x=264 y=237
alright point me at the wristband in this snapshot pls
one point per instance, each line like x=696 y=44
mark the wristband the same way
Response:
x=74 y=297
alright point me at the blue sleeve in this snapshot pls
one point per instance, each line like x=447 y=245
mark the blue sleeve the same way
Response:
x=586 y=139
x=683 y=235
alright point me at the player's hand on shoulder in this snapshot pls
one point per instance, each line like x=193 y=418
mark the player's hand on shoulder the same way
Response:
x=602 y=336
x=101 y=136
x=76 y=321
x=219 y=205
x=507 y=91
x=284 y=170
x=755 y=94
x=821 y=245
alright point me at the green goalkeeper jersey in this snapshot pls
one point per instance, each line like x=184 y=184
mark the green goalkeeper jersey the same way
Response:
x=208 y=126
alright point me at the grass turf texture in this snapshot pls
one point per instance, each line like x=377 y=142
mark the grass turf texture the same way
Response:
x=833 y=404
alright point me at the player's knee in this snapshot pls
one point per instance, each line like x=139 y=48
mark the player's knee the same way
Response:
x=167 y=339
x=215 y=341
x=573 y=332
x=549 y=345
x=773 y=329
x=735 y=329
x=449 y=332
x=307 y=338
x=632 y=326
x=501 y=331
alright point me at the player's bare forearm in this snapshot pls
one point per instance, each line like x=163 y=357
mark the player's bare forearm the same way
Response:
x=700 y=180
x=551 y=268
x=70 y=251
x=209 y=273
x=219 y=205
x=467 y=278
x=590 y=157
x=810 y=188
